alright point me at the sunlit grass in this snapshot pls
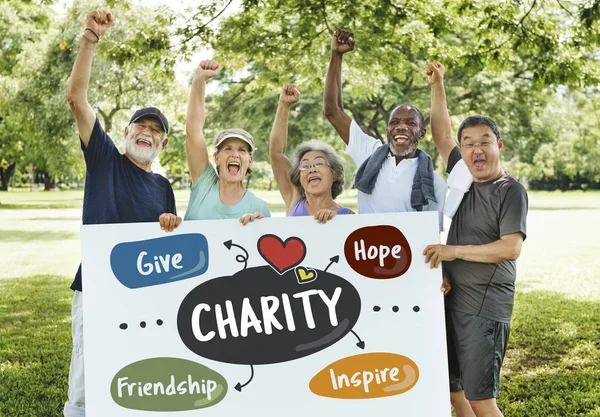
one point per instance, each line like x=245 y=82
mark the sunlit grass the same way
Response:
x=538 y=200
x=552 y=366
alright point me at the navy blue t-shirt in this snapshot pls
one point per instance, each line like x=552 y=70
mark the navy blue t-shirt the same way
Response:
x=117 y=190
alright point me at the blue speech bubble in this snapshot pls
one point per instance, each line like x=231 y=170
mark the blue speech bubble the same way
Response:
x=159 y=261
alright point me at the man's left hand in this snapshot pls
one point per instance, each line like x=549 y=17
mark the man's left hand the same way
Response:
x=438 y=253
x=446 y=286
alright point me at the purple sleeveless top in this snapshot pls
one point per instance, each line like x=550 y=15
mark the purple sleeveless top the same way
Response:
x=300 y=209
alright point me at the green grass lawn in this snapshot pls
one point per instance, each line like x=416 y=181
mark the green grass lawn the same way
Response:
x=538 y=200
x=552 y=366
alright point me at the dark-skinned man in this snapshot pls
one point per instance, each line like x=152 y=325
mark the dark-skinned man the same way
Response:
x=397 y=177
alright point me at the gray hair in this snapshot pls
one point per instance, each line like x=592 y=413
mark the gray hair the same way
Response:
x=337 y=165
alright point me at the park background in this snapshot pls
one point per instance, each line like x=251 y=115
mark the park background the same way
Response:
x=533 y=66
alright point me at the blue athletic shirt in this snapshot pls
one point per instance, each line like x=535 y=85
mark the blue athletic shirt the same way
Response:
x=117 y=190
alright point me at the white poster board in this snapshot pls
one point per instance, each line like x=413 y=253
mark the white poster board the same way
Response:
x=280 y=316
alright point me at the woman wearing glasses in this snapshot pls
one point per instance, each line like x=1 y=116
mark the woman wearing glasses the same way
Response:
x=315 y=176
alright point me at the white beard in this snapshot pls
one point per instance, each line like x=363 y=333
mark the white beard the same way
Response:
x=143 y=156
x=411 y=148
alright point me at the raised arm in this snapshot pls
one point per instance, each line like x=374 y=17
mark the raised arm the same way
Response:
x=280 y=163
x=97 y=23
x=195 y=145
x=441 y=128
x=333 y=109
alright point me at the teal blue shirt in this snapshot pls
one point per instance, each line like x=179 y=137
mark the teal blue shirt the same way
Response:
x=205 y=203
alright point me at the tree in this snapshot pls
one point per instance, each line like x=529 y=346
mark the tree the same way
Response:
x=569 y=134
x=133 y=67
x=22 y=24
x=504 y=58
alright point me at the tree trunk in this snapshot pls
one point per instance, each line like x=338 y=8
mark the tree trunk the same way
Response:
x=48 y=182
x=6 y=175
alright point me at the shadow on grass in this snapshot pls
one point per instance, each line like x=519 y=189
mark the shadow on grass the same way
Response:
x=35 y=345
x=29 y=235
x=551 y=366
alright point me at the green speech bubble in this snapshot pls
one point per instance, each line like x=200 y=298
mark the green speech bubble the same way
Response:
x=167 y=384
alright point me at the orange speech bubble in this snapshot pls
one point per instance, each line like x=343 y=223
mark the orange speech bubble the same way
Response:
x=369 y=375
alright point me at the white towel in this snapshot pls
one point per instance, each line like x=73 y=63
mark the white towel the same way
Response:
x=459 y=182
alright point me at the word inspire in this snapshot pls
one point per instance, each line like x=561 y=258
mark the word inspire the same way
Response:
x=372 y=252
x=364 y=378
x=269 y=305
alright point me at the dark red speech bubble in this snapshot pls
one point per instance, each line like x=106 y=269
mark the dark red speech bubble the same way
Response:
x=380 y=252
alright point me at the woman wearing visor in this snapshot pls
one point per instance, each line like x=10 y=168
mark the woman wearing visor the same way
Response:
x=218 y=190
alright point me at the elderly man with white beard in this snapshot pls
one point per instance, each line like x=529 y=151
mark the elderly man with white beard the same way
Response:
x=118 y=188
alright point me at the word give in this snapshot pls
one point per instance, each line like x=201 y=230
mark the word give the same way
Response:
x=147 y=268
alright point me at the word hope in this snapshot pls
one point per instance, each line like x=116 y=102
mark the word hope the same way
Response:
x=372 y=252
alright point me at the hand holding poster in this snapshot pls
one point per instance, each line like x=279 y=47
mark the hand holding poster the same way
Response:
x=276 y=316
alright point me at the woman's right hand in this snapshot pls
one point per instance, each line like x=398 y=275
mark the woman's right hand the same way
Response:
x=290 y=94
x=324 y=215
x=250 y=217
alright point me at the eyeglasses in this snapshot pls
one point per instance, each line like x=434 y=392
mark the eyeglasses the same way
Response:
x=316 y=165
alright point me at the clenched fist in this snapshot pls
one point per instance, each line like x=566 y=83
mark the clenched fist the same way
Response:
x=342 y=41
x=99 y=21
x=435 y=73
x=290 y=94
x=207 y=69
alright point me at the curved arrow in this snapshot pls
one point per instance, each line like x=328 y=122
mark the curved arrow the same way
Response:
x=332 y=260
x=240 y=386
x=361 y=343
x=240 y=258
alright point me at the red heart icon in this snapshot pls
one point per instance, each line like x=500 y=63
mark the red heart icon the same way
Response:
x=281 y=255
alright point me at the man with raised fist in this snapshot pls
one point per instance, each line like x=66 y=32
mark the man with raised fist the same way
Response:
x=119 y=188
x=484 y=241
x=398 y=177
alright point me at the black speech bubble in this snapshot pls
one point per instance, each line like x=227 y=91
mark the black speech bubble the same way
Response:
x=282 y=345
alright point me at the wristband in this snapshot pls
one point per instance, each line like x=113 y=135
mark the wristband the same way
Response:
x=88 y=39
x=94 y=32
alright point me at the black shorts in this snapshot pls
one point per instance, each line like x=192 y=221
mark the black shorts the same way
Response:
x=476 y=348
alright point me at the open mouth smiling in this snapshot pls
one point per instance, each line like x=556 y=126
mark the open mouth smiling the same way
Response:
x=314 y=180
x=143 y=142
x=400 y=139
x=233 y=167
x=479 y=163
